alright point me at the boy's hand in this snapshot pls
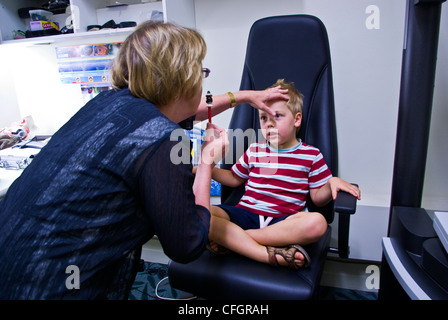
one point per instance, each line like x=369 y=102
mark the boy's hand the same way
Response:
x=336 y=184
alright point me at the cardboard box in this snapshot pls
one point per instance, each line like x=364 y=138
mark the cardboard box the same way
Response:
x=43 y=25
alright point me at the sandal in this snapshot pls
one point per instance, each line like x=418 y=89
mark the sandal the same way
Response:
x=288 y=254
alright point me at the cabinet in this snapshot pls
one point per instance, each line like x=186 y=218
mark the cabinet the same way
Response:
x=93 y=12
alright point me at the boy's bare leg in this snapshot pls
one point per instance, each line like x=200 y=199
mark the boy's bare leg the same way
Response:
x=301 y=228
x=233 y=237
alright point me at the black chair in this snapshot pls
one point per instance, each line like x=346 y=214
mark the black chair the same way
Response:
x=295 y=48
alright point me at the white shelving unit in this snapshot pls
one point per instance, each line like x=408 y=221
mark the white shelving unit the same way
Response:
x=93 y=12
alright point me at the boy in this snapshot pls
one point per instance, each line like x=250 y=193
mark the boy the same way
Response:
x=269 y=224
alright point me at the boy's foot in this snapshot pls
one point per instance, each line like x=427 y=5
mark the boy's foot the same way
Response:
x=217 y=249
x=294 y=256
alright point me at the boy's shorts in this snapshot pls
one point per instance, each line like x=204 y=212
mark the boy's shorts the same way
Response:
x=249 y=220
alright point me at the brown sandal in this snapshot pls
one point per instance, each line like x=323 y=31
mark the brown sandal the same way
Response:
x=288 y=254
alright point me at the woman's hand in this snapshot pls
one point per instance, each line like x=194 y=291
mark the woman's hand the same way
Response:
x=215 y=146
x=260 y=99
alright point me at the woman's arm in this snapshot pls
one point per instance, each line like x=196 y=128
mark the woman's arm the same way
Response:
x=256 y=98
x=166 y=193
x=213 y=150
x=225 y=177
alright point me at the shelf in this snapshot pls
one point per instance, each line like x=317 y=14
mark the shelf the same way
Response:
x=94 y=12
x=69 y=37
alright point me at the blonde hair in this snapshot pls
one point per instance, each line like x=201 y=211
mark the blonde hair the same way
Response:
x=295 y=102
x=160 y=62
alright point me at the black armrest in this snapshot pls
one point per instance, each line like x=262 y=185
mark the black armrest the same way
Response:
x=345 y=205
x=345 y=202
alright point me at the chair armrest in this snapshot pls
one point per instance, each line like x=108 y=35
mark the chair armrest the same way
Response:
x=345 y=203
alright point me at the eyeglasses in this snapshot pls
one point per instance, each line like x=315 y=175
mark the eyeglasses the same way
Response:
x=205 y=72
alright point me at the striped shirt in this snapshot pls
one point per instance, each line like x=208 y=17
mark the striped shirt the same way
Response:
x=279 y=180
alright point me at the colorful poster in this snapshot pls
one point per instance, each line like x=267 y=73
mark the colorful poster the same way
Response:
x=88 y=65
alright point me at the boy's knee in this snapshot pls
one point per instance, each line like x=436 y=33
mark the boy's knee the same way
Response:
x=317 y=225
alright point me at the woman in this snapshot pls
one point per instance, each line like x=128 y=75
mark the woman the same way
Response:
x=73 y=224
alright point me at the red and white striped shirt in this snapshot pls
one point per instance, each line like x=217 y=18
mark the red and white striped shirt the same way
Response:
x=279 y=180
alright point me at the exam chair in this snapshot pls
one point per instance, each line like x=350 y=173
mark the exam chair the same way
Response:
x=295 y=48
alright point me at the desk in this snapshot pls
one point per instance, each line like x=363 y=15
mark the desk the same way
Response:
x=7 y=177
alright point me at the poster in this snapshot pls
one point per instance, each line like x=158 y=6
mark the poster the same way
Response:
x=88 y=65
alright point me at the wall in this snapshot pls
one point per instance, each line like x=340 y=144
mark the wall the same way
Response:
x=33 y=74
x=9 y=108
x=366 y=71
x=435 y=194
x=37 y=87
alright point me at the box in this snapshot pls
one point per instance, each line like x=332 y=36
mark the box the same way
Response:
x=38 y=15
x=43 y=25
x=196 y=136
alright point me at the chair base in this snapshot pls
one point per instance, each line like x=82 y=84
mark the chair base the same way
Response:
x=234 y=277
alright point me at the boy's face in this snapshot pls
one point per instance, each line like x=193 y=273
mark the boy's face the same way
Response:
x=280 y=130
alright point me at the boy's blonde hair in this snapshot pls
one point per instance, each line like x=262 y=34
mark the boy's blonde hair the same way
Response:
x=295 y=102
x=160 y=62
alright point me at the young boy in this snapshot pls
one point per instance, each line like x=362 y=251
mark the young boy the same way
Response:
x=269 y=224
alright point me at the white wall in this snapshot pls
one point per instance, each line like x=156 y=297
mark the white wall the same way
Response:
x=366 y=71
x=9 y=109
x=32 y=72
x=38 y=89
x=435 y=192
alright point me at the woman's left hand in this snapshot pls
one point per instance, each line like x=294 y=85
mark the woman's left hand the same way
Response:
x=260 y=98
x=216 y=145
